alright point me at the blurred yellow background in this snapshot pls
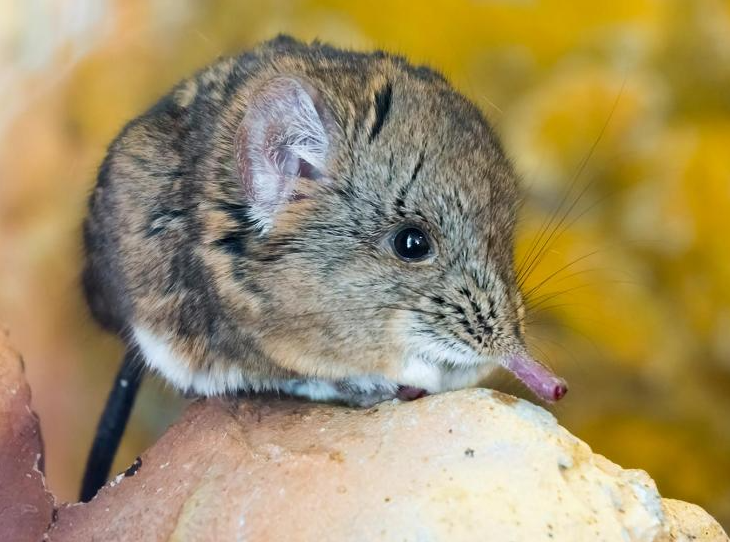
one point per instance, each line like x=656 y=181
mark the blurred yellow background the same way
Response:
x=617 y=115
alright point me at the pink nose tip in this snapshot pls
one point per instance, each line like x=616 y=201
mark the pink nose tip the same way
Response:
x=559 y=391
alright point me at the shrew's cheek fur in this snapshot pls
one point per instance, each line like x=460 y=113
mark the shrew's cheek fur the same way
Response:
x=235 y=235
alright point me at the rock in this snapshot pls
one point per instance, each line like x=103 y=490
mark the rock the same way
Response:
x=26 y=508
x=470 y=465
x=688 y=522
x=460 y=466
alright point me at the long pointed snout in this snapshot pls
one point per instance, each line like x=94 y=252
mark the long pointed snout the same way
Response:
x=537 y=377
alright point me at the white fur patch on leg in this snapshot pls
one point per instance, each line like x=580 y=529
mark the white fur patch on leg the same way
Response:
x=435 y=377
x=421 y=374
x=315 y=390
x=160 y=358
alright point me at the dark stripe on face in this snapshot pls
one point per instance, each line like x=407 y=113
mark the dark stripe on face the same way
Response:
x=419 y=165
x=403 y=192
x=383 y=100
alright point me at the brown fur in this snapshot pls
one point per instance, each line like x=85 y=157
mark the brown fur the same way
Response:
x=171 y=246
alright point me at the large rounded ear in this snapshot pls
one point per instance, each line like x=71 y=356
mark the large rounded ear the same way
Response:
x=282 y=143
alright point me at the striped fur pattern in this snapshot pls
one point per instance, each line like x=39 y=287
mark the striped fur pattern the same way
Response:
x=224 y=294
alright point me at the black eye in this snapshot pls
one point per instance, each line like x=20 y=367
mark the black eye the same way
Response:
x=411 y=244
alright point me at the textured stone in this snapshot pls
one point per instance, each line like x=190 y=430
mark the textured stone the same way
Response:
x=26 y=508
x=688 y=522
x=470 y=465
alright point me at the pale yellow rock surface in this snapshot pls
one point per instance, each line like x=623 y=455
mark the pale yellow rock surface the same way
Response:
x=471 y=465
x=688 y=522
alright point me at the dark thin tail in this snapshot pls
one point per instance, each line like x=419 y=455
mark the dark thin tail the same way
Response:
x=112 y=424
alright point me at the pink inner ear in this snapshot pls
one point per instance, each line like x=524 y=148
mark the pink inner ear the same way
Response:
x=308 y=171
x=294 y=166
x=281 y=140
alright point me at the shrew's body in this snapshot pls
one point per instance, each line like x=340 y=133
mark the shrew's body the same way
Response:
x=324 y=223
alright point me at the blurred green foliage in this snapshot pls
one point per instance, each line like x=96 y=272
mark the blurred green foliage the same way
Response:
x=616 y=114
